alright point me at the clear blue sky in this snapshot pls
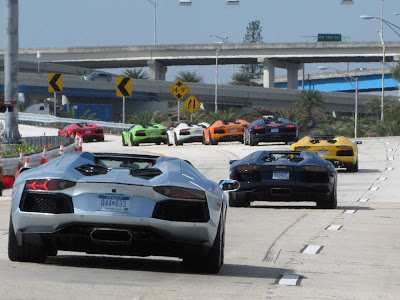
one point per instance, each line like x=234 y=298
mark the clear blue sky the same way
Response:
x=61 y=23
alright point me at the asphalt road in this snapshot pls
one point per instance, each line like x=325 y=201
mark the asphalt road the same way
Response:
x=273 y=250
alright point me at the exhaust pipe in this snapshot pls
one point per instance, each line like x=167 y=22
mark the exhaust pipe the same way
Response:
x=111 y=235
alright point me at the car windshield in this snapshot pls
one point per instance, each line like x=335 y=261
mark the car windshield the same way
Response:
x=126 y=163
x=288 y=155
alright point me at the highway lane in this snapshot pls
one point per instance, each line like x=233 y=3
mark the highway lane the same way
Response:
x=351 y=252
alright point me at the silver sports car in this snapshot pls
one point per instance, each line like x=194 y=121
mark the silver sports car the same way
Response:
x=119 y=204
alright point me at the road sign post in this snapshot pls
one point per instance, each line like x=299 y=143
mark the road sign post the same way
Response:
x=191 y=104
x=124 y=89
x=179 y=90
x=55 y=85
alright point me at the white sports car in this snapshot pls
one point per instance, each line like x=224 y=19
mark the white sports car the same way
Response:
x=186 y=133
x=119 y=204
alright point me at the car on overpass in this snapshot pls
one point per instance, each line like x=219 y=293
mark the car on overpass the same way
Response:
x=98 y=76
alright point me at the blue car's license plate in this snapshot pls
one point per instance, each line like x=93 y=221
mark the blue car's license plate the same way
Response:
x=115 y=203
x=281 y=175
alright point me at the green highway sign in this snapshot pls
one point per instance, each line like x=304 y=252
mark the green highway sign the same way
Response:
x=329 y=37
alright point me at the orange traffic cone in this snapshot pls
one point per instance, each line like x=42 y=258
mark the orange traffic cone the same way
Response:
x=44 y=155
x=27 y=163
x=76 y=142
x=61 y=151
x=80 y=142
x=20 y=163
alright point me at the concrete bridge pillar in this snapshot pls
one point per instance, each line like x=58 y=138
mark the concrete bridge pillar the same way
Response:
x=269 y=71
x=293 y=76
x=157 y=70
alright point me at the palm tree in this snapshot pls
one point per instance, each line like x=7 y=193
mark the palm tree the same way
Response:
x=148 y=117
x=308 y=100
x=242 y=78
x=289 y=114
x=396 y=72
x=137 y=73
x=188 y=76
x=230 y=114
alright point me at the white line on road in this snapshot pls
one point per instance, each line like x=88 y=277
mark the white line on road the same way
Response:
x=334 y=227
x=389 y=168
x=382 y=178
x=389 y=150
x=363 y=200
x=289 y=280
x=374 y=188
x=350 y=211
x=390 y=158
x=311 y=249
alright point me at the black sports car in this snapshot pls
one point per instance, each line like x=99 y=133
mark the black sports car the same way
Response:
x=270 y=129
x=283 y=176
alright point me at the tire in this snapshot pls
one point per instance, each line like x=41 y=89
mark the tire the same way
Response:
x=123 y=142
x=133 y=142
x=168 y=142
x=212 y=142
x=329 y=203
x=24 y=253
x=238 y=199
x=353 y=168
x=177 y=143
x=158 y=143
x=204 y=140
x=252 y=142
x=213 y=261
x=246 y=138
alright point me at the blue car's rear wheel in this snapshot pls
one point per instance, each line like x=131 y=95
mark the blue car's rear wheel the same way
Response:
x=26 y=253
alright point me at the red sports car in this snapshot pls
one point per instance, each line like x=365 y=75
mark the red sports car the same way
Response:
x=89 y=131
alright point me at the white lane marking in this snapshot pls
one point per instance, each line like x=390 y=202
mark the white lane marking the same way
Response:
x=350 y=211
x=312 y=249
x=382 y=178
x=389 y=168
x=334 y=227
x=289 y=280
x=374 y=188
x=389 y=150
x=391 y=158
x=363 y=200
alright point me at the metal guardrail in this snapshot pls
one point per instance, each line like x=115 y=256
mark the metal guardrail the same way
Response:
x=50 y=119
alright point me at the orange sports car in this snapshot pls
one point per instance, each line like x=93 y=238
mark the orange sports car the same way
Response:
x=224 y=131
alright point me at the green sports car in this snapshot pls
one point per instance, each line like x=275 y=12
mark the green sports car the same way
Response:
x=153 y=133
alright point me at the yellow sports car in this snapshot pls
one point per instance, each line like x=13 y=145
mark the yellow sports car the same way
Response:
x=339 y=150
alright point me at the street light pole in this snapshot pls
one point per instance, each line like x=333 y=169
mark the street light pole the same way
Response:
x=155 y=19
x=344 y=75
x=383 y=73
x=223 y=39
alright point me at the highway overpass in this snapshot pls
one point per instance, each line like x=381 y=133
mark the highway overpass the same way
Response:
x=291 y=56
x=154 y=94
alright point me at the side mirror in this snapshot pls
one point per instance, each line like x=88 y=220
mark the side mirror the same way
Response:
x=229 y=185
x=23 y=169
x=232 y=161
x=358 y=142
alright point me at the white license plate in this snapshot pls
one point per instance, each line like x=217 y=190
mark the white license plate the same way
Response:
x=281 y=175
x=234 y=130
x=87 y=131
x=153 y=133
x=113 y=203
x=198 y=132
x=274 y=129
x=323 y=152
